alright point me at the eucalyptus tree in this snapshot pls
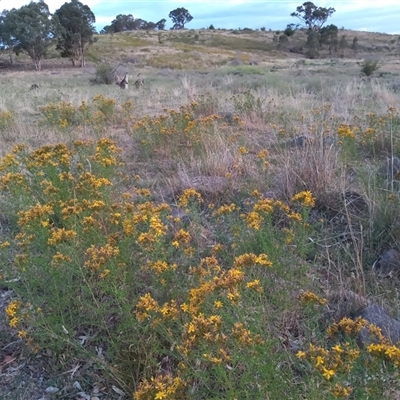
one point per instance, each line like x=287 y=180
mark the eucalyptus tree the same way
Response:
x=312 y=16
x=33 y=30
x=7 y=39
x=180 y=16
x=75 y=23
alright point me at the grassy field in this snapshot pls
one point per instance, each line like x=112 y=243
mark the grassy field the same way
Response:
x=197 y=237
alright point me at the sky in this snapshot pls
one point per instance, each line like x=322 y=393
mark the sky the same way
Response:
x=367 y=15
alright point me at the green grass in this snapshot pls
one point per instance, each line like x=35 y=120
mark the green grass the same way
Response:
x=239 y=44
x=219 y=302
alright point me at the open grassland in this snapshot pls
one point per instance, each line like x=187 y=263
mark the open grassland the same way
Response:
x=196 y=237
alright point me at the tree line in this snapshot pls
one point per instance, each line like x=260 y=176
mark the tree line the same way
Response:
x=32 y=29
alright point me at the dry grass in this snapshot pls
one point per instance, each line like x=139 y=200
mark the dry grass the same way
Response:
x=291 y=109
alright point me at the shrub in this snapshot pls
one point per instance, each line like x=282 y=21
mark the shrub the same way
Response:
x=120 y=273
x=368 y=67
x=289 y=31
x=6 y=120
x=104 y=73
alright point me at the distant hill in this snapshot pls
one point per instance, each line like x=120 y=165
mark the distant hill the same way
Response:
x=193 y=49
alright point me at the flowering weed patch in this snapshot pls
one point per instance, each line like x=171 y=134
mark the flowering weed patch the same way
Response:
x=105 y=265
x=6 y=120
x=182 y=132
x=177 y=274
x=375 y=135
x=100 y=112
x=343 y=368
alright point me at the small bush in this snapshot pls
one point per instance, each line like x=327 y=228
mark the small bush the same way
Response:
x=289 y=31
x=368 y=67
x=6 y=120
x=104 y=73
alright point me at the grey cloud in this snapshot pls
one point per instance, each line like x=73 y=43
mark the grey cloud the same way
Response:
x=252 y=14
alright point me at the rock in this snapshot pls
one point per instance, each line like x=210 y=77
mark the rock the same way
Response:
x=179 y=213
x=355 y=203
x=377 y=316
x=344 y=303
x=228 y=117
x=52 y=389
x=308 y=140
x=348 y=304
x=388 y=264
x=301 y=141
x=235 y=62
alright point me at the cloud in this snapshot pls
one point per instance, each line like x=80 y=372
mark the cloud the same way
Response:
x=371 y=15
x=53 y=4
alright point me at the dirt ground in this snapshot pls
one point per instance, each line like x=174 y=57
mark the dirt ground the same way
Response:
x=21 y=376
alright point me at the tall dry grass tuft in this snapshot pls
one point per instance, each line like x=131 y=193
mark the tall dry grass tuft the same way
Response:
x=315 y=167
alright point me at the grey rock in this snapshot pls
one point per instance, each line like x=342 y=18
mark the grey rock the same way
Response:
x=307 y=140
x=377 y=316
x=179 y=213
x=388 y=264
x=228 y=117
x=235 y=62
x=301 y=141
x=344 y=303
x=355 y=203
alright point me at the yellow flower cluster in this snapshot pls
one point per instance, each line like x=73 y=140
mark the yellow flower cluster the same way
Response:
x=12 y=179
x=338 y=360
x=97 y=257
x=159 y=267
x=341 y=391
x=345 y=132
x=59 y=235
x=305 y=198
x=310 y=297
x=62 y=114
x=7 y=161
x=58 y=258
x=341 y=358
x=181 y=236
x=88 y=180
x=57 y=155
x=11 y=311
x=187 y=195
x=264 y=209
x=17 y=316
x=348 y=326
x=106 y=152
x=145 y=306
x=244 y=336
x=65 y=115
x=225 y=209
x=161 y=387
x=202 y=327
x=249 y=260
x=262 y=155
x=177 y=131
x=35 y=213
